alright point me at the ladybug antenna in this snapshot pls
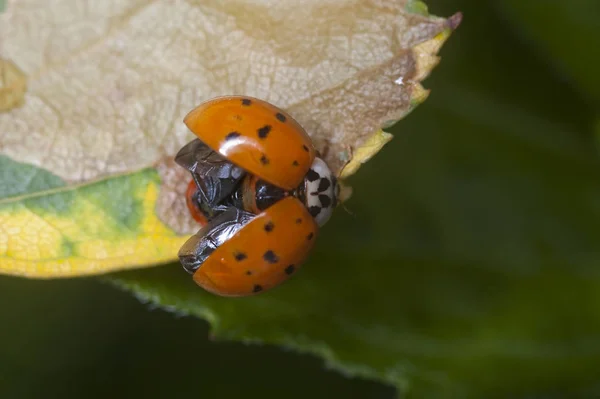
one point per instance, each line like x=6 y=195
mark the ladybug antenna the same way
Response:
x=348 y=211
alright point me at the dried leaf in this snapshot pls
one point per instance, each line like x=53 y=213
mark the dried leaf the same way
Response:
x=110 y=82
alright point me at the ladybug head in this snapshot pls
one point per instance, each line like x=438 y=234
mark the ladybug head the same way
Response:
x=321 y=191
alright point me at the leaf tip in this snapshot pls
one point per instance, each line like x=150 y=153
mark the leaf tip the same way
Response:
x=419 y=95
x=425 y=53
x=371 y=147
x=455 y=20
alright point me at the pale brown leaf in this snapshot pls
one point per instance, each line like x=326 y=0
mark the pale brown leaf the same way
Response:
x=110 y=82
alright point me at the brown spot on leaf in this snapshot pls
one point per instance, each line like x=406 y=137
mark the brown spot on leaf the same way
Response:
x=13 y=84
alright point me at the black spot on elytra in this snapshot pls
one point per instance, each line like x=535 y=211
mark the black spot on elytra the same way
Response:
x=257 y=288
x=263 y=132
x=312 y=175
x=246 y=101
x=264 y=160
x=325 y=200
x=271 y=257
x=240 y=256
x=280 y=117
x=295 y=163
x=248 y=272
x=314 y=210
x=269 y=226
x=324 y=184
x=232 y=135
x=305 y=148
x=298 y=221
x=290 y=269
x=310 y=236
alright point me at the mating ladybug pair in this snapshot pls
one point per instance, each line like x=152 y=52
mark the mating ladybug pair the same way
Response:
x=259 y=192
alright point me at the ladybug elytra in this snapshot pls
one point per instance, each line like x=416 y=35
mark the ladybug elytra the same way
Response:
x=259 y=192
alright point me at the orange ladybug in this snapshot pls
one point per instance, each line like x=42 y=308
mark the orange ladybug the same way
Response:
x=214 y=178
x=217 y=184
x=260 y=220
x=238 y=253
x=256 y=136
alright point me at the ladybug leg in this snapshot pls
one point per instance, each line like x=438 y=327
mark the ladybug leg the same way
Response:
x=218 y=230
x=215 y=176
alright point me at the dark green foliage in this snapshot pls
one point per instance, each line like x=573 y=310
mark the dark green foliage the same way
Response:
x=469 y=265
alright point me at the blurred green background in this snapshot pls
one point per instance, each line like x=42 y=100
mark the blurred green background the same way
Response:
x=485 y=206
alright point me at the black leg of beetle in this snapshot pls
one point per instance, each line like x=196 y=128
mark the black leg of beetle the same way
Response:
x=218 y=230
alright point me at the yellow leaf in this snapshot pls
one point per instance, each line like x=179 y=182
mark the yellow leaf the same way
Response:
x=89 y=229
x=366 y=152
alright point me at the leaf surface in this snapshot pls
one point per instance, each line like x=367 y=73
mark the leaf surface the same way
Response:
x=79 y=230
x=468 y=264
x=97 y=92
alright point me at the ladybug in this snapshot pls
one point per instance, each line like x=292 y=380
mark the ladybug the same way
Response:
x=191 y=200
x=217 y=184
x=255 y=135
x=259 y=219
x=214 y=178
x=239 y=253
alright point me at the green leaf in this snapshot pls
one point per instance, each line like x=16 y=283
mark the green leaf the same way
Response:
x=469 y=262
x=597 y=133
x=17 y=179
x=62 y=336
x=564 y=31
